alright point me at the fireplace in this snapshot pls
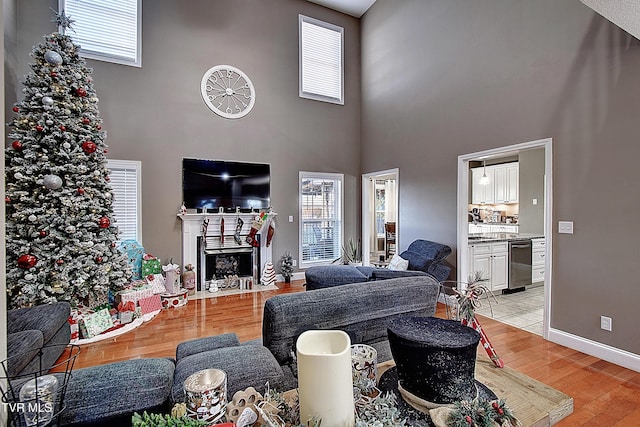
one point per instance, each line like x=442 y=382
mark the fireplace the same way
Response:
x=210 y=244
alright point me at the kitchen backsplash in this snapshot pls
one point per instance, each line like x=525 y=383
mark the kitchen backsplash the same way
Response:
x=510 y=210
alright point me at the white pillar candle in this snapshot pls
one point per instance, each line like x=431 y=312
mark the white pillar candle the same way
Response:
x=325 y=385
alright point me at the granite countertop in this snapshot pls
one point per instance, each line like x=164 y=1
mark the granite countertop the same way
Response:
x=493 y=223
x=501 y=237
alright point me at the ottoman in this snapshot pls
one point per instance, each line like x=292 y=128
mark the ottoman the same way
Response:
x=245 y=365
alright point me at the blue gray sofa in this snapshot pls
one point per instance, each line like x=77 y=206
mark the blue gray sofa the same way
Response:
x=424 y=256
x=109 y=394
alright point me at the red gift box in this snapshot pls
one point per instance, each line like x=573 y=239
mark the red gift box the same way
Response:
x=150 y=304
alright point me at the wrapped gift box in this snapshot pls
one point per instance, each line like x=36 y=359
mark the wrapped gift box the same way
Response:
x=134 y=252
x=134 y=294
x=95 y=323
x=174 y=300
x=150 y=304
x=150 y=265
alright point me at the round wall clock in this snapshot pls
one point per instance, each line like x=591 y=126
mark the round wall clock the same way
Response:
x=227 y=91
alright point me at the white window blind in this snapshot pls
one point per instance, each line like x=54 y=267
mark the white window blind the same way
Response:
x=321 y=60
x=107 y=30
x=125 y=185
x=320 y=215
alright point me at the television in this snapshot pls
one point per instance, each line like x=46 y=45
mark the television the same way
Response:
x=214 y=184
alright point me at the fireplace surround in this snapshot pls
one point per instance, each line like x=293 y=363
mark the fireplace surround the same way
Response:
x=213 y=249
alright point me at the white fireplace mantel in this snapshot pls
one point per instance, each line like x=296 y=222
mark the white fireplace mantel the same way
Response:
x=193 y=228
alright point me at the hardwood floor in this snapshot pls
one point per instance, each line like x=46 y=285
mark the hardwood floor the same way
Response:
x=604 y=394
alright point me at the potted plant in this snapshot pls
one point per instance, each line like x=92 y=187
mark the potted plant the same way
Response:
x=350 y=253
x=286 y=266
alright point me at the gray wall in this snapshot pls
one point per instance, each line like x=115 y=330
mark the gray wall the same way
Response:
x=155 y=113
x=531 y=186
x=443 y=78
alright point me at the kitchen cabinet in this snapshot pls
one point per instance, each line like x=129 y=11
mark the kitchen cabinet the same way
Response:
x=482 y=194
x=494 y=228
x=492 y=261
x=506 y=183
x=537 y=260
x=479 y=228
x=502 y=187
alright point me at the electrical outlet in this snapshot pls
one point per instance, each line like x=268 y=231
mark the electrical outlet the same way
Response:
x=294 y=262
x=606 y=323
x=565 y=227
x=290 y=218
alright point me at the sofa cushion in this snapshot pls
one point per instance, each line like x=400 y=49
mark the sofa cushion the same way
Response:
x=385 y=273
x=431 y=250
x=47 y=318
x=325 y=276
x=22 y=347
x=205 y=344
x=108 y=391
x=245 y=366
x=398 y=263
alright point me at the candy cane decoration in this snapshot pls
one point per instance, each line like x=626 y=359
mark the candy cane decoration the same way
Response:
x=484 y=339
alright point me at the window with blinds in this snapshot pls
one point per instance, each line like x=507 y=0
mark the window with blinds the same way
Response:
x=126 y=185
x=320 y=218
x=106 y=30
x=321 y=60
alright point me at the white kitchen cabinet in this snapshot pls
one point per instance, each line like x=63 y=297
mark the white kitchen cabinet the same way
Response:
x=537 y=260
x=482 y=194
x=506 y=183
x=479 y=228
x=494 y=228
x=492 y=261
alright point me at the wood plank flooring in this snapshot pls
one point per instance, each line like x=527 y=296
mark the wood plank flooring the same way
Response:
x=604 y=394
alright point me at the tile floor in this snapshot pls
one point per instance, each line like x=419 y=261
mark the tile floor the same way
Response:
x=523 y=310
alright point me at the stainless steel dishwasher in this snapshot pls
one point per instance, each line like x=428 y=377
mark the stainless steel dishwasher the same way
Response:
x=519 y=265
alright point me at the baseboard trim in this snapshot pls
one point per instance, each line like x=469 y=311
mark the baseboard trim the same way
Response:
x=593 y=348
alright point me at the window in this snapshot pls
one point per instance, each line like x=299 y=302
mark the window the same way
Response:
x=321 y=60
x=106 y=30
x=125 y=183
x=320 y=218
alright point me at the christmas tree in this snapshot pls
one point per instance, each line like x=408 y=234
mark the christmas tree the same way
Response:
x=60 y=231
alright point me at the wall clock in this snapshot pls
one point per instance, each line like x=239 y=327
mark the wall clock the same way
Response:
x=227 y=91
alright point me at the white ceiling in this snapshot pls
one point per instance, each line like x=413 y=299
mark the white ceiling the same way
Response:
x=624 y=13
x=355 y=8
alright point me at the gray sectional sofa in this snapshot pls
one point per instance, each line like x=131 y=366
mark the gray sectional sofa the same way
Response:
x=424 y=256
x=109 y=394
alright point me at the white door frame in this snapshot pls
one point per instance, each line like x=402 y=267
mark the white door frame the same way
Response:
x=366 y=219
x=463 y=220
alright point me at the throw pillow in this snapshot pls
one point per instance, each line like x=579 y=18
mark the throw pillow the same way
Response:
x=398 y=263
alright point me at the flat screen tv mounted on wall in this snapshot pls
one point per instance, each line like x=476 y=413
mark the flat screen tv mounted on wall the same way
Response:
x=214 y=184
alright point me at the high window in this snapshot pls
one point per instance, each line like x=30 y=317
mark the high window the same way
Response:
x=321 y=215
x=106 y=30
x=126 y=188
x=321 y=60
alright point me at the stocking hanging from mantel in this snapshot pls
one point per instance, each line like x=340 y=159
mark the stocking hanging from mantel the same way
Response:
x=236 y=235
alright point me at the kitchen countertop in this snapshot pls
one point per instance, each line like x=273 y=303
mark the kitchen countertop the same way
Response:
x=501 y=237
x=493 y=223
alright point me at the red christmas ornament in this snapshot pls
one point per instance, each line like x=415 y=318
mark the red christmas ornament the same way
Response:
x=81 y=191
x=106 y=150
x=86 y=121
x=113 y=244
x=60 y=261
x=81 y=92
x=89 y=147
x=99 y=259
x=17 y=145
x=54 y=74
x=27 y=261
x=98 y=127
x=43 y=233
x=62 y=128
x=39 y=128
x=468 y=419
x=7 y=199
x=16 y=109
x=104 y=222
x=107 y=178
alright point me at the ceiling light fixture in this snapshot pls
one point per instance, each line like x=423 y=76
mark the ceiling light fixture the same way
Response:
x=484 y=180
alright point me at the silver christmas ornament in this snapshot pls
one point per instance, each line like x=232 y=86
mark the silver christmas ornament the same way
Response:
x=18 y=175
x=66 y=145
x=52 y=182
x=49 y=122
x=32 y=218
x=53 y=57
x=77 y=76
x=29 y=277
x=70 y=229
x=47 y=100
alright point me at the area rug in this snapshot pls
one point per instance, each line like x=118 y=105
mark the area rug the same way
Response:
x=534 y=403
x=232 y=291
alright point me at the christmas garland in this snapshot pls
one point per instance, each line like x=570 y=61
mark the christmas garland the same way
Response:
x=481 y=413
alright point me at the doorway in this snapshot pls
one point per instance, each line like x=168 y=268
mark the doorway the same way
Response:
x=380 y=227
x=465 y=162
